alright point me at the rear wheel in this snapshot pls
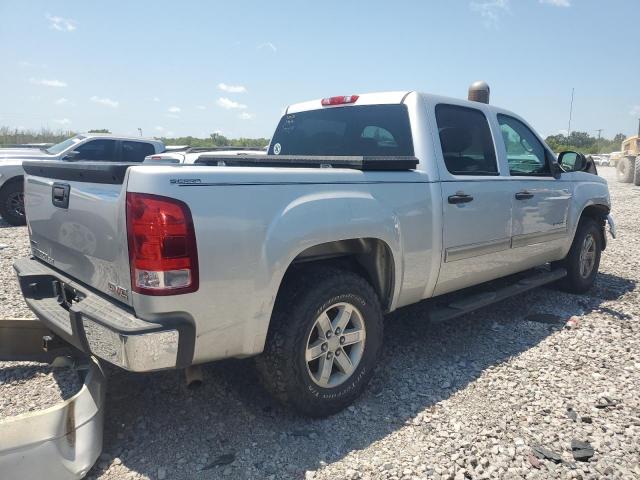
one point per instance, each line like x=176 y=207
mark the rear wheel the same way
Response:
x=636 y=177
x=625 y=170
x=583 y=260
x=324 y=341
x=12 y=203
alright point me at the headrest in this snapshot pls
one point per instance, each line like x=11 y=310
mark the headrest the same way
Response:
x=455 y=139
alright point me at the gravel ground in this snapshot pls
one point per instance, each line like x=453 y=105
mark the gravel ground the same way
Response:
x=483 y=396
x=14 y=243
x=30 y=386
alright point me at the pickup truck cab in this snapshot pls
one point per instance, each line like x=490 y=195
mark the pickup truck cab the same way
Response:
x=86 y=146
x=364 y=204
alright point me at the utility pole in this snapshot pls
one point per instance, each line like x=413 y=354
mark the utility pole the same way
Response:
x=599 y=130
x=570 y=113
x=140 y=130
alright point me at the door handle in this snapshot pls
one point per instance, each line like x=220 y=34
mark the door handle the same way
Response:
x=60 y=195
x=460 y=198
x=524 y=195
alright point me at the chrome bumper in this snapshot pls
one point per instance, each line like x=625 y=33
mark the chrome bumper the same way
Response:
x=95 y=324
x=142 y=352
x=612 y=226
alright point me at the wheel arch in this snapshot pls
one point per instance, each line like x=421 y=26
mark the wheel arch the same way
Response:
x=11 y=180
x=597 y=212
x=371 y=258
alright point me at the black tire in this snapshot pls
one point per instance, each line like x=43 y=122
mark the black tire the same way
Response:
x=636 y=177
x=625 y=170
x=576 y=281
x=283 y=366
x=12 y=203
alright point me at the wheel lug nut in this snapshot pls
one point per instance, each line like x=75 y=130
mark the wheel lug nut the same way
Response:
x=337 y=331
x=329 y=355
x=337 y=353
x=342 y=340
x=324 y=347
x=328 y=334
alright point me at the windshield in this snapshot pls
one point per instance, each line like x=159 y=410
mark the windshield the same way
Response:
x=62 y=146
x=368 y=130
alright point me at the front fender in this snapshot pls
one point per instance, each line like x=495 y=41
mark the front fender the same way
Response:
x=10 y=171
x=589 y=190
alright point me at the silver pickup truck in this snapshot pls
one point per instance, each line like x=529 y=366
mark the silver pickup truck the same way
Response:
x=363 y=204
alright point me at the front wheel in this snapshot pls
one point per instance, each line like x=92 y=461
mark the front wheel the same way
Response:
x=324 y=341
x=12 y=203
x=583 y=260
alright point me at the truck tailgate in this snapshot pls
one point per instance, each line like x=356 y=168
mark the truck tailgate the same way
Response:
x=77 y=222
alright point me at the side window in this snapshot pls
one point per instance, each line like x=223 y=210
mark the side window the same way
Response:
x=97 y=150
x=525 y=153
x=465 y=137
x=136 y=151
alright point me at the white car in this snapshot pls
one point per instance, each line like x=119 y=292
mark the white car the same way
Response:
x=86 y=146
x=189 y=155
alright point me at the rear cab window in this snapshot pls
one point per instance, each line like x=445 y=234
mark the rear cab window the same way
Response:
x=466 y=141
x=366 y=130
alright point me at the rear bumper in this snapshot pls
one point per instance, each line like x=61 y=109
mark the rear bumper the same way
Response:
x=96 y=324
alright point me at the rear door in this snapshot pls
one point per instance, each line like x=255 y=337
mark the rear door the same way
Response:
x=540 y=201
x=134 y=152
x=77 y=222
x=476 y=199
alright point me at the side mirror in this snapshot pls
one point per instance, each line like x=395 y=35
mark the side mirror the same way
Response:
x=72 y=155
x=572 y=162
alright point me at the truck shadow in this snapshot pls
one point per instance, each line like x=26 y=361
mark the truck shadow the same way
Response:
x=231 y=428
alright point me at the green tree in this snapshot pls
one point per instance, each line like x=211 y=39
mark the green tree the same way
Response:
x=99 y=130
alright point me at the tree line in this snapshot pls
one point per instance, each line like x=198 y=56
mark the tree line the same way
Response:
x=216 y=140
x=15 y=136
x=584 y=143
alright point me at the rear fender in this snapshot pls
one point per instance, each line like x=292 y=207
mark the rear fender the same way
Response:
x=323 y=217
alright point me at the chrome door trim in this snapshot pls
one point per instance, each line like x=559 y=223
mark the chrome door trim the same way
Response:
x=453 y=254
x=534 y=238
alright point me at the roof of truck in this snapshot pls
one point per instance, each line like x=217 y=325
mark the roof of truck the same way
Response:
x=120 y=137
x=396 y=97
x=363 y=99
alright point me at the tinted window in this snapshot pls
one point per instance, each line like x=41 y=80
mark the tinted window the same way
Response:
x=465 y=137
x=370 y=130
x=136 y=151
x=98 y=150
x=525 y=153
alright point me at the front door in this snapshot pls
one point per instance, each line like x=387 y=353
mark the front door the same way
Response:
x=540 y=201
x=476 y=200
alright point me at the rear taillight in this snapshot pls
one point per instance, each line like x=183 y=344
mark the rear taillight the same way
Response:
x=342 y=100
x=162 y=245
